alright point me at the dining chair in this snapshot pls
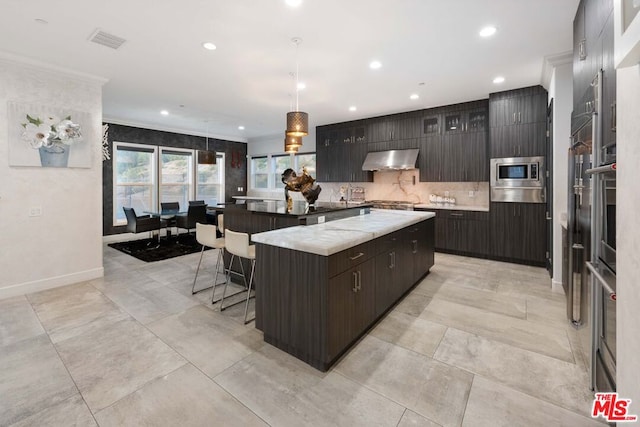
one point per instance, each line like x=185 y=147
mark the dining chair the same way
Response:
x=237 y=244
x=170 y=207
x=196 y=202
x=195 y=214
x=140 y=224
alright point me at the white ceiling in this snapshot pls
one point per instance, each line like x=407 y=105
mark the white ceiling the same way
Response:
x=247 y=81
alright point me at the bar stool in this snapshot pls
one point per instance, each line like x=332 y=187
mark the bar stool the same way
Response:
x=237 y=244
x=206 y=236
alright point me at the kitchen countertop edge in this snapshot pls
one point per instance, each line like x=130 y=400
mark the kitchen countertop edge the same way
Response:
x=335 y=236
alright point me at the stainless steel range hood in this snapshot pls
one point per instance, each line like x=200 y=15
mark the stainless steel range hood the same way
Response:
x=390 y=160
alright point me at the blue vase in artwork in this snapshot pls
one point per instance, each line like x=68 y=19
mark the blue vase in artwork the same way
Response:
x=55 y=156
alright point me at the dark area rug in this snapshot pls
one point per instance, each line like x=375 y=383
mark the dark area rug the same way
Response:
x=149 y=250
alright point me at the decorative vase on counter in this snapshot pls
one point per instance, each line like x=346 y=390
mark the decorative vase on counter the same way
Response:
x=55 y=156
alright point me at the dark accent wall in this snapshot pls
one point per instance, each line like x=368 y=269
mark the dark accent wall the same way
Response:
x=235 y=162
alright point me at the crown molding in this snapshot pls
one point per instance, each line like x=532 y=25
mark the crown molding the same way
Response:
x=552 y=61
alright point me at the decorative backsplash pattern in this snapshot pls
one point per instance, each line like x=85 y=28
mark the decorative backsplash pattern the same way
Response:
x=404 y=186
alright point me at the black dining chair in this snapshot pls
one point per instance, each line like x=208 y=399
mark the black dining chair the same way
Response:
x=195 y=214
x=140 y=224
x=196 y=202
x=170 y=207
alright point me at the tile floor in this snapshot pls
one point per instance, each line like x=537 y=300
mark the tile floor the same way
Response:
x=476 y=343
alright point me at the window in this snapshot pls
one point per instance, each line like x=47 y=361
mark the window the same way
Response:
x=145 y=175
x=280 y=164
x=266 y=171
x=134 y=179
x=210 y=182
x=307 y=161
x=176 y=176
x=260 y=172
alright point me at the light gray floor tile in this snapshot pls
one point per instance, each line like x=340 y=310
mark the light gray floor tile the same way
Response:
x=338 y=401
x=413 y=304
x=411 y=419
x=428 y=387
x=410 y=332
x=208 y=339
x=521 y=333
x=185 y=397
x=32 y=378
x=17 y=321
x=71 y=412
x=111 y=362
x=268 y=381
x=495 y=405
x=508 y=305
x=73 y=310
x=561 y=383
x=149 y=305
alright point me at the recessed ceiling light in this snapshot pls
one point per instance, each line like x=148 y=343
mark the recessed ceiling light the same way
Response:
x=488 y=31
x=294 y=3
x=414 y=96
x=302 y=86
x=498 y=80
x=241 y=127
x=164 y=112
x=209 y=46
x=352 y=108
x=374 y=65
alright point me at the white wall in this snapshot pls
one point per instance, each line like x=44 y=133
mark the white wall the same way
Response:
x=628 y=235
x=274 y=144
x=64 y=245
x=561 y=90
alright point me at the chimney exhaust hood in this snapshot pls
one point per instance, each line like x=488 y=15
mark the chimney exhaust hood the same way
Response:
x=390 y=160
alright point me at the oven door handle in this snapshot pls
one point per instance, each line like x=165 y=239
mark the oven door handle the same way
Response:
x=605 y=285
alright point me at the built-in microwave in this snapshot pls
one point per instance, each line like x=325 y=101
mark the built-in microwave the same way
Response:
x=518 y=179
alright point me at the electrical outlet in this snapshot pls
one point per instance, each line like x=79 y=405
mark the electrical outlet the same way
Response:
x=240 y=188
x=362 y=211
x=35 y=211
x=446 y=194
x=472 y=194
x=321 y=219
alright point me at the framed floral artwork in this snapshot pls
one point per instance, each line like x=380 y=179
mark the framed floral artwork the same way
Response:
x=49 y=136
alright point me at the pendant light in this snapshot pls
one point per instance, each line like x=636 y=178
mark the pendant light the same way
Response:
x=292 y=143
x=297 y=121
x=207 y=157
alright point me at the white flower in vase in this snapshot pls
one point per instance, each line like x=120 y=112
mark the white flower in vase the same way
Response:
x=68 y=132
x=37 y=135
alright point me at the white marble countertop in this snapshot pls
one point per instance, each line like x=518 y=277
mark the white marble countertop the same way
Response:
x=452 y=207
x=257 y=198
x=335 y=236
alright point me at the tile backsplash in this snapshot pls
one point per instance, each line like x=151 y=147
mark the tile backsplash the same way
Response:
x=401 y=185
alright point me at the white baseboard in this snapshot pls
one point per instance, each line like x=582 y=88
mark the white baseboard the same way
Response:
x=50 y=282
x=556 y=286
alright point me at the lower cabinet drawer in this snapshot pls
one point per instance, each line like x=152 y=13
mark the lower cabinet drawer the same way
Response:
x=350 y=257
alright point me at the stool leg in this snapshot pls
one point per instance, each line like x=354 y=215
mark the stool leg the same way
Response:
x=197 y=270
x=227 y=282
x=215 y=283
x=246 y=307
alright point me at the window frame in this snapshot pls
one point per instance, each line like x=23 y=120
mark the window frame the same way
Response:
x=272 y=182
x=191 y=170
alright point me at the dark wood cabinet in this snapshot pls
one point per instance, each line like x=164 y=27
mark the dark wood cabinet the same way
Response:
x=517 y=107
x=519 y=141
x=518 y=232
x=351 y=306
x=314 y=307
x=430 y=159
x=340 y=152
x=461 y=121
x=462 y=232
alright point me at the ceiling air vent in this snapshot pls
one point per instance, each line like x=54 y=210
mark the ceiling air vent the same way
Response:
x=106 y=39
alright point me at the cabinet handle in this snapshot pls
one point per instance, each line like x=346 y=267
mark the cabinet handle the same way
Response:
x=356 y=257
x=359 y=279
x=455 y=214
x=415 y=246
x=519 y=117
x=582 y=49
x=614 y=111
x=355 y=281
x=391 y=260
x=514 y=118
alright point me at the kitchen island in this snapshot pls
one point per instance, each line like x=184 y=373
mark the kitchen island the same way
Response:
x=320 y=287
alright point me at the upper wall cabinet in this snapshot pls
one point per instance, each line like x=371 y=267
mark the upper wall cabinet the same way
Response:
x=340 y=152
x=518 y=122
x=474 y=120
x=393 y=128
x=516 y=107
